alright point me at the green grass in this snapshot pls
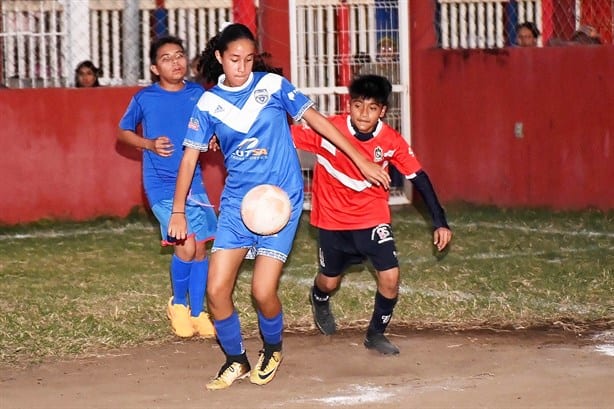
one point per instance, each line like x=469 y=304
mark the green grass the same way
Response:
x=70 y=289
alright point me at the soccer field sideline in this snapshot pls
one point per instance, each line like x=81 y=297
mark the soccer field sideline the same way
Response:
x=142 y=227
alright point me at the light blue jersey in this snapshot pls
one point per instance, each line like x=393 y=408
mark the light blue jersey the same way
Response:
x=251 y=125
x=163 y=113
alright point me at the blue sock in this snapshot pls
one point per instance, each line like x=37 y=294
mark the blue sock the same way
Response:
x=180 y=279
x=198 y=286
x=271 y=328
x=229 y=334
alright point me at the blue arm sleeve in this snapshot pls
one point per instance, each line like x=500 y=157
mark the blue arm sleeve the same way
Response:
x=422 y=183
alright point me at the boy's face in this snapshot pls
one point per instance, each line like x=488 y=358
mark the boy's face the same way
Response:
x=365 y=113
x=171 y=64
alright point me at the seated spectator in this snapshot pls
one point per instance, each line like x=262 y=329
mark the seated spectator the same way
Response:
x=527 y=34
x=86 y=75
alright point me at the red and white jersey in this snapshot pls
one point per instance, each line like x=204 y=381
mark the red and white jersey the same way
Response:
x=342 y=199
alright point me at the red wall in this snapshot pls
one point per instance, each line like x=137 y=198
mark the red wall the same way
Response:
x=60 y=160
x=466 y=105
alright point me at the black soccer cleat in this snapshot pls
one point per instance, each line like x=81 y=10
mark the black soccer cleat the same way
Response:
x=380 y=343
x=322 y=316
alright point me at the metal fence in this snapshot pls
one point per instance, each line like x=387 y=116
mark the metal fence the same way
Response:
x=42 y=41
x=494 y=23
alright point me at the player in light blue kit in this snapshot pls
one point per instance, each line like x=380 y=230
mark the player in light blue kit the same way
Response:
x=247 y=111
x=163 y=110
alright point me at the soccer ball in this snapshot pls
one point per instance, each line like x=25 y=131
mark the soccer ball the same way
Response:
x=266 y=209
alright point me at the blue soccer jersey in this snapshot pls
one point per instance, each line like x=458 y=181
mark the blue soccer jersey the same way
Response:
x=251 y=125
x=163 y=113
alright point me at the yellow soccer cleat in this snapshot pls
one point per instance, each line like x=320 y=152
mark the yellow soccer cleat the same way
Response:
x=230 y=372
x=180 y=319
x=203 y=326
x=265 y=370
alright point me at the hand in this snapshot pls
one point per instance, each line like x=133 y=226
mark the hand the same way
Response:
x=163 y=146
x=375 y=174
x=214 y=144
x=441 y=237
x=178 y=227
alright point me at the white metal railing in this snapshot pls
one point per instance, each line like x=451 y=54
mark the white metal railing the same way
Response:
x=42 y=41
x=481 y=23
x=317 y=56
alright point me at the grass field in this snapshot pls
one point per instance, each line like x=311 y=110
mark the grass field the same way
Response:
x=71 y=289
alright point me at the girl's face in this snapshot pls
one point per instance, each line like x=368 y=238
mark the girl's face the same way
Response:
x=171 y=64
x=86 y=77
x=365 y=113
x=237 y=61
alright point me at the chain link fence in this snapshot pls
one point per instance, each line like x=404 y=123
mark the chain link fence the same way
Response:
x=43 y=41
x=469 y=24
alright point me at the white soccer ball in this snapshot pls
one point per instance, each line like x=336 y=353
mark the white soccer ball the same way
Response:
x=266 y=209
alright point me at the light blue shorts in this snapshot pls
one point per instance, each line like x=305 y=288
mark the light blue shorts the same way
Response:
x=233 y=234
x=199 y=214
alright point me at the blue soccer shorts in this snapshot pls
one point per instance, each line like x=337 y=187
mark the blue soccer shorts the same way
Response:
x=199 y=213
x=233 y=234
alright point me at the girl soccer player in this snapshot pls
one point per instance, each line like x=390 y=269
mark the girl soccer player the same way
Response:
x=247 y=111
x=163 y=110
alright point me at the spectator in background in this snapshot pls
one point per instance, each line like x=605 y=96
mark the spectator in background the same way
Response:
x=585 y=35
x=87 y=74
x=527 y=34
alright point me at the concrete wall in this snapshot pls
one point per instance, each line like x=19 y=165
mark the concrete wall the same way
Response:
x=60 y=159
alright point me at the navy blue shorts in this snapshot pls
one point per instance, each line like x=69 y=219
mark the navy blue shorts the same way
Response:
x=338 y=249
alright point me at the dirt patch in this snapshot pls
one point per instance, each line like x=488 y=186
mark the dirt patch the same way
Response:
x=434 y=370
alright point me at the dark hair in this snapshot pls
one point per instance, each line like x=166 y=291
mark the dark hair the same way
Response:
x=87 y=64
x=371 y=87
x=210 y=68
x=529 y=25
x=158 y=43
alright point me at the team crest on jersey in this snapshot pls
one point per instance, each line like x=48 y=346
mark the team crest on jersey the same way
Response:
x=378 y=154
x=261 y=96
x=381 y=233
x=193 y=124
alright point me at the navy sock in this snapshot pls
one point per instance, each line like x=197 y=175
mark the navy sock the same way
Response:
x=229 y=334
x=198 y=286
x=180 y=278
x=319 y=295
x=271 y=328
x=382 y=313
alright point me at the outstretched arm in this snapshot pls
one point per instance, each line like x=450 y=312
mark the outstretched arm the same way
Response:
x=177 y=226
x=442 y=233
x=372 y=172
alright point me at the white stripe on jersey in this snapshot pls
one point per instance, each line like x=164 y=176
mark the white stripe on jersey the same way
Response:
x=241 y=119
x=354 y=184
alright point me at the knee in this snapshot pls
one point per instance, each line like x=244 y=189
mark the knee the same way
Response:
x=262 y=297
x=388 y=285
x=327 y=284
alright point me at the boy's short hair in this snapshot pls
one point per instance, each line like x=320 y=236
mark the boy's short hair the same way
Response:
x=156 y=44
x=371 y=87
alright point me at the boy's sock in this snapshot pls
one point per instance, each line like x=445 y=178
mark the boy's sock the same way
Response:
x=382 y=313
x=319 y=295
x=198 y=286
x=229 y=334
x=180 y=278
x=271 y=328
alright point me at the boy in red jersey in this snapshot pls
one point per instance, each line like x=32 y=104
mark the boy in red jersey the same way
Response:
x=352 y=216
